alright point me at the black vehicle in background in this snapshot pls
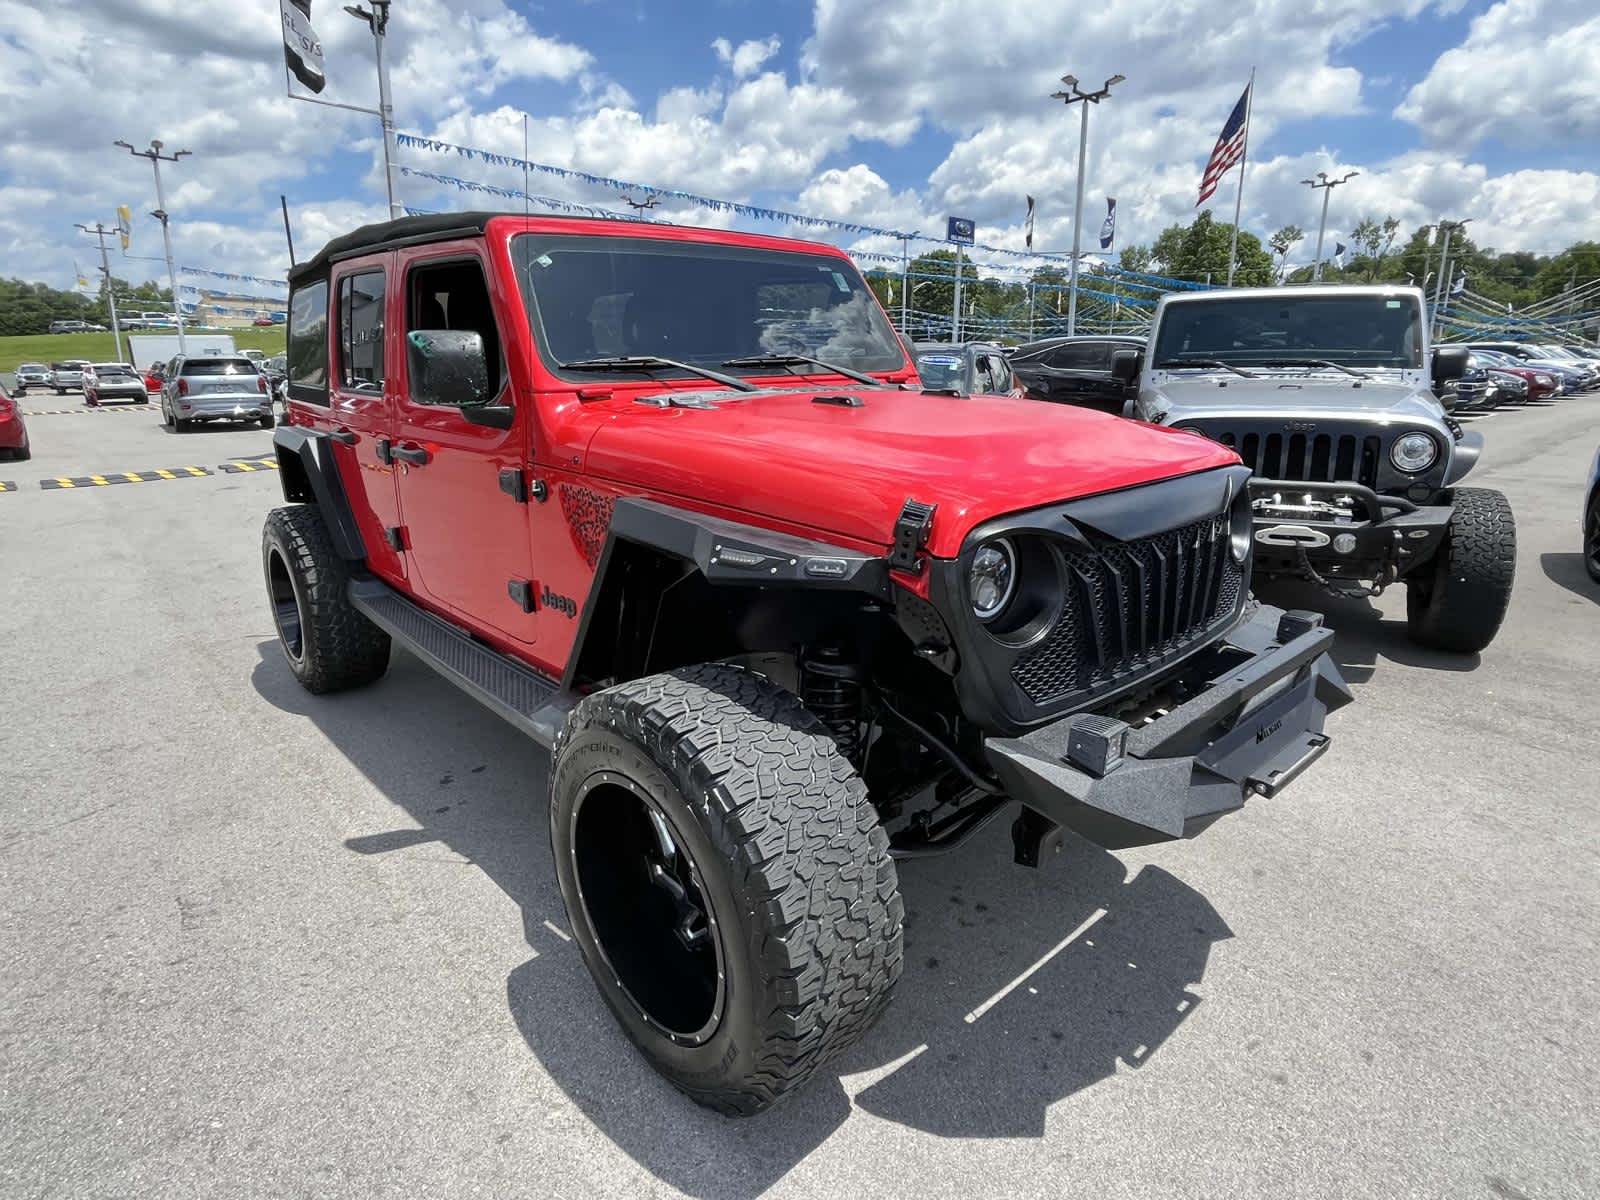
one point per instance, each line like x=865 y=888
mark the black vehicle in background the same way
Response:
x=964 y=369
x=1075 y=370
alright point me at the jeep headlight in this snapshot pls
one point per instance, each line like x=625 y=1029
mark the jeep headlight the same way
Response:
x=992 y=578
x=1414 y=452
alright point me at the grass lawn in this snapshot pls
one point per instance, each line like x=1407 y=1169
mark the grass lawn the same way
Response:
x=99 y=347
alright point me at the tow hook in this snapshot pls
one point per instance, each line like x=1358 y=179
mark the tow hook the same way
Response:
x=1302 y=536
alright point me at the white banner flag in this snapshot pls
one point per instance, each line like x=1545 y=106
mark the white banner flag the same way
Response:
x=302 y=49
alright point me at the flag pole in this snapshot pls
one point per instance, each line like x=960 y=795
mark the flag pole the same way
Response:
x=1244 y=158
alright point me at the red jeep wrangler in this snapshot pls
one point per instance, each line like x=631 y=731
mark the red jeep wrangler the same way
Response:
x=673 y=502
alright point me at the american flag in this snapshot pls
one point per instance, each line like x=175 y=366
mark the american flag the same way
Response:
x=1229 y=148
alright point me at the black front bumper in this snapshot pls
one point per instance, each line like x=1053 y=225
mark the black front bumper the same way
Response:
x=1380 y=530
x=1250 y=727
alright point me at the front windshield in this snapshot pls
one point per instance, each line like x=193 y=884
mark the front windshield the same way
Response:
x=941 y=372
x=606 y=297
x=1353 y=331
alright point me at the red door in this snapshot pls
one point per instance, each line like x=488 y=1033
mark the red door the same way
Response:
x=466 y=532
x=360 y=407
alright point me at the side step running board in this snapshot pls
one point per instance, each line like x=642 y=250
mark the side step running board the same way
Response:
x=534 y=704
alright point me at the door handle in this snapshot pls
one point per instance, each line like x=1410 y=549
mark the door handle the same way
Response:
x=417 y=456
x=344 y=437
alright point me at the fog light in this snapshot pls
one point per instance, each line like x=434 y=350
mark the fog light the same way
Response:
x=1345 y=543
x=1096 y=744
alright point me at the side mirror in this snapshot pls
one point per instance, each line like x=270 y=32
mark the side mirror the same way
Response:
x=448 y=368
x=1450 y=362
x=1125 y=365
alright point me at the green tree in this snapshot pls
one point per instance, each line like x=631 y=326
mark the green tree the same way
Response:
x=1199 y=251
x=1372 y=239
x=1285 y=240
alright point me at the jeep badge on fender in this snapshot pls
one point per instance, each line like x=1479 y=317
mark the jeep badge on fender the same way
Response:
x=794 y=617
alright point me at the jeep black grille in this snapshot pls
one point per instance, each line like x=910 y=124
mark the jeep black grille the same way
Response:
x=1327 y=457
x=1130 y=607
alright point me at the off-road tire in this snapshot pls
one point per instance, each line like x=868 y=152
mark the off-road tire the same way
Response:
x=1457 y=601
x=790 y=857
x=338 y=647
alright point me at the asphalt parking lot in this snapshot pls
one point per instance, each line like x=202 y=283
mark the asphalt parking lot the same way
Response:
x=258 y=943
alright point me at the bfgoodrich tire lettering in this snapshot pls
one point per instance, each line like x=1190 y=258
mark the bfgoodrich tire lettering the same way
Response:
x=788 y=854
x=1458 y=601
x=328 y=644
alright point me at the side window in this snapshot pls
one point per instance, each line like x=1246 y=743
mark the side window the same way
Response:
x=455 y=295
x=361 y=332
x=985 y=374
x=1079 y=356
x=308 y=342
x=1000 y=372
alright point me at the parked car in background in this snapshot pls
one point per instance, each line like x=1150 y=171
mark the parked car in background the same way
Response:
x=256 y=356
x=276 y=369
x=13 y=430
x=1568 y=357
x=1541 y=385
x=1074 y=370
x=31 y=375
x=104 y=382
x=214 y=389
x=154 y=374
x=1468 y=392
x=964 y=369
x=67 y=374
x=75 y=327
x=263 y=322
x=1573 y=377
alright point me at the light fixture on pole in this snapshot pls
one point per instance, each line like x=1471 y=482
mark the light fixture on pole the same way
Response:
x=377 y=20
x=1071 y=95
x=1446 y=228
x=1327 y=185
x=156 y=159
x=101 y=232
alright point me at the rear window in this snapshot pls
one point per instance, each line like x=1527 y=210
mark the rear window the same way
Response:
x=113 y=371
x=308 y=342
x=219 y=366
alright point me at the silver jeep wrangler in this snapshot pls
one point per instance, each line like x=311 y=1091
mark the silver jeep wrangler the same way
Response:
x=1325 y=393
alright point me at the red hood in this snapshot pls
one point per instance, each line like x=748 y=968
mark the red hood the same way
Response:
x=848 y=471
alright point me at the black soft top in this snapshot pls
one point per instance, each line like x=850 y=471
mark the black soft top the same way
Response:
x=433 y=227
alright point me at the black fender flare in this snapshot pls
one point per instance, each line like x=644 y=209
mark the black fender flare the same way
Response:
x=726 y=554
x=309 y=475
x=1463 y=457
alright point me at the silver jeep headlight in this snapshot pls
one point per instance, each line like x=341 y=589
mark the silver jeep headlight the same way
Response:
x=1414 y=452
x=992 y=578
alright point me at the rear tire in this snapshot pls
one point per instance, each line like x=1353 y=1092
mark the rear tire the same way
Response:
x=268 y=421
x=1458 y=601
x=727 y=881
x=328 y=644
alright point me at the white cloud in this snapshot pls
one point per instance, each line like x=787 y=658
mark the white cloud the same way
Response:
x=748 y=57
x=1529 y=71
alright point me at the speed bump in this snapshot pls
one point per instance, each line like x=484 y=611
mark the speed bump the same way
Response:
x=240 y=465
x=62 y=482
x=7 y=486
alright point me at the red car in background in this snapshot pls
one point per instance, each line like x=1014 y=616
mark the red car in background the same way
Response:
x=13 y=431
x=1541 y=384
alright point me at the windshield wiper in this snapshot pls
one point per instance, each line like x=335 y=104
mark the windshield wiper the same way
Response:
x=650 y=362
x=1312 y=362
x=795 y=360
x=1209 y=363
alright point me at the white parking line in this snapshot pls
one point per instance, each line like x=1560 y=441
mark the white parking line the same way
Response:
x=1023 y=978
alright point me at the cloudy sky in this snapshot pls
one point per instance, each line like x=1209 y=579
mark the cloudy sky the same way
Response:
x=894 y=113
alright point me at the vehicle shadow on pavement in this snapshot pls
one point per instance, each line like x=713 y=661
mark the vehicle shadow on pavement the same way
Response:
x=1020 y=987
x=1567 y=570
x=1364 y=633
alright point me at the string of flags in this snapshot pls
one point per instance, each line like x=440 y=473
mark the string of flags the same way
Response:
x=506 y=193
x=281 y=283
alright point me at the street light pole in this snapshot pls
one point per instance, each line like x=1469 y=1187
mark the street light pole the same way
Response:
x=156 y=159
x=377 y=19
x=1447 y=227
x=1327 y=185
x=1073 y=94
x=100 y=231
x=905 y=281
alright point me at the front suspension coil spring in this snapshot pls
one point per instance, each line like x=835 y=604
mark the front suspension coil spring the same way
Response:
x=831 y=688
